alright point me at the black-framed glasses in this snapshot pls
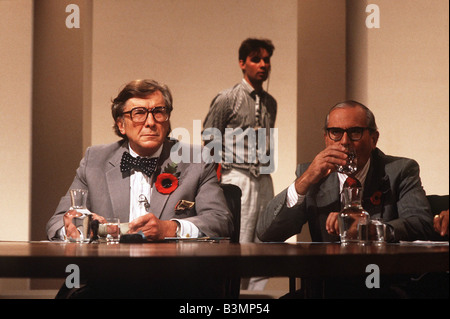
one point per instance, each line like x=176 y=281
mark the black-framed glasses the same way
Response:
x=140 y=114
x=354 y=133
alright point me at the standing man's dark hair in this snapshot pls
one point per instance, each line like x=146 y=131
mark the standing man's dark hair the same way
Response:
x=252 y=45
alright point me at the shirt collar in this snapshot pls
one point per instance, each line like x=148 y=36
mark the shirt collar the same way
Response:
x=156 y=154
x=247 y=86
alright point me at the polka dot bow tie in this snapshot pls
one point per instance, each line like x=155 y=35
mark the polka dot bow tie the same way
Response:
x=145 y=165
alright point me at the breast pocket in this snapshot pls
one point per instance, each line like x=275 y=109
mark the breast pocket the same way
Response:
x=184 y=208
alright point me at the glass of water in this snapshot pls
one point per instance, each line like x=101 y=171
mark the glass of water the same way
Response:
x=372 y=232
x=377 y=232
x=110 y=230
x=350 y=167
x=77 y=220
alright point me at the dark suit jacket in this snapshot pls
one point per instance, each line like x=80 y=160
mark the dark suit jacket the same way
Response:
x=392 y=190
x=109 y=191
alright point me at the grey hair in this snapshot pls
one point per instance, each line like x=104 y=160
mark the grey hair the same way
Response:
x=370 y=117
x=140 y=89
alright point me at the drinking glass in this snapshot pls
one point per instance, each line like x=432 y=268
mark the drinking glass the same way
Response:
x=110 y=230
x=350 y=167
x=377 y=232
x=372 y=232
x=78 y=198
x=78 y=216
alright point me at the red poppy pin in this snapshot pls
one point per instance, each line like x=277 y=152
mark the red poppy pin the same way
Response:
x=167 y=181
x=375 y=199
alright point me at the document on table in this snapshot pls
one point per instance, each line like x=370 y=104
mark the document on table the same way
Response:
x=425 y=243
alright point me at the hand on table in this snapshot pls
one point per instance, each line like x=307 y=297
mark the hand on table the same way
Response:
x=332 y=225
x=440 y=223
x=70 y=229
x=152 y=227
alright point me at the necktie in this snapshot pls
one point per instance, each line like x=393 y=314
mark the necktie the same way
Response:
x=257 y=111
x=145 y=165
x=352 y=182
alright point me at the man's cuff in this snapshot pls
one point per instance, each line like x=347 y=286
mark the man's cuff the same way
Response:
x=292 y=197
x=186 y=229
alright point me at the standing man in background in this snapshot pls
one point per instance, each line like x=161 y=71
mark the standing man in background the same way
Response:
x=247 y=110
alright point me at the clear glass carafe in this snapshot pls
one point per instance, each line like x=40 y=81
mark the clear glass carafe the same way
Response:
x=353 y=219
x=78 y=217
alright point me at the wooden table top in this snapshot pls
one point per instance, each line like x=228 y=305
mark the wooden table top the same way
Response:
x=49 y=259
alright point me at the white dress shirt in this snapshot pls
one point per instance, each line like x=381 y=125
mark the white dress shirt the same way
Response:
x=140 y=184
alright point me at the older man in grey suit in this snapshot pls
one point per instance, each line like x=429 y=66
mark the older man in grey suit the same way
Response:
x=392 y=191
x=136 y=180
x=117 y=190
x=392 y=188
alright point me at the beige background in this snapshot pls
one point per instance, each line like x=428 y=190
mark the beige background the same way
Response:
x=56 y=83
x=324 y=53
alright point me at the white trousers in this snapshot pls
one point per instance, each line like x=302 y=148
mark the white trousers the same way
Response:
x=256 y=194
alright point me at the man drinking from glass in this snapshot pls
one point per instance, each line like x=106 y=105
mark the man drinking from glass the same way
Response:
x=392 y=188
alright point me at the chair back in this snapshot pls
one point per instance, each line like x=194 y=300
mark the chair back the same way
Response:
x=233 y=197
x=438 y=203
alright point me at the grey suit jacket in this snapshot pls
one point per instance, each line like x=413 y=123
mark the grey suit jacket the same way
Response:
x=109 y=191
x=392 y=190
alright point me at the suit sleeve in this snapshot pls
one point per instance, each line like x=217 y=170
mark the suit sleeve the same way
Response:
x=56 y=221
x=278 y=222
x=219 y=112
x=213 y=216
x=414 y=220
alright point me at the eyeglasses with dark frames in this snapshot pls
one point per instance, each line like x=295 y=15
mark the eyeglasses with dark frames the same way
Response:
x=354 y=133
x=140 y=114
